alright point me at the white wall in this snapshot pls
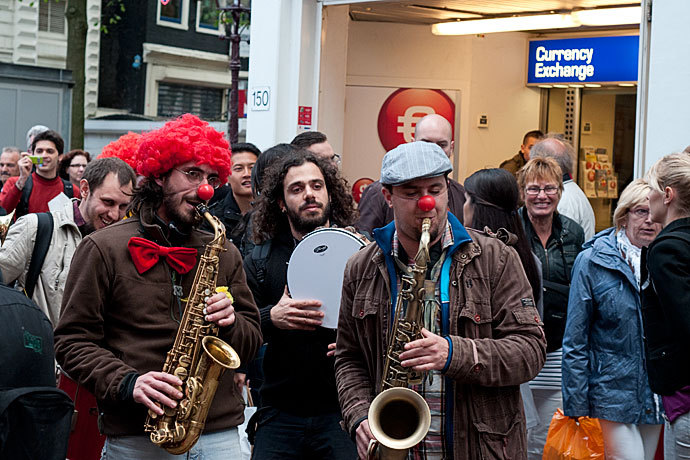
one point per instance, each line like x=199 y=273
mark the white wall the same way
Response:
x=488 y=72
x=667 y=99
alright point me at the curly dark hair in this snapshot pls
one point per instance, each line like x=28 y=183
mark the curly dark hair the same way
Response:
x=268 y=219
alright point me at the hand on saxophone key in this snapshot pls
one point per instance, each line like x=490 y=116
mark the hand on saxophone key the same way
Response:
x=219 y=310
x=362 y=437
x=429 y=353
x=289 y=313
x=154 y=388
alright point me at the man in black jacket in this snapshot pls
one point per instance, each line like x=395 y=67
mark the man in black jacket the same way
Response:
x=300 y=415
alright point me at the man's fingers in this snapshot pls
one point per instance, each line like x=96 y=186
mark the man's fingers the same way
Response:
x=306 y=303
x=165 y=377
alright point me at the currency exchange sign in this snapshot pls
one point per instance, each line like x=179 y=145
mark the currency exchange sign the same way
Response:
x=402 y=109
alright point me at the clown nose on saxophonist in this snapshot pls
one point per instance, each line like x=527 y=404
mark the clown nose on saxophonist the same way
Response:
x=126 y=296
x=476 y=344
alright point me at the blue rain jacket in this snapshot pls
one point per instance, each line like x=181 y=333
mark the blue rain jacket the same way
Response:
x=604 y=372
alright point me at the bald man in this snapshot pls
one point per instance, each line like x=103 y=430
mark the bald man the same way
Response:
x=374 y=212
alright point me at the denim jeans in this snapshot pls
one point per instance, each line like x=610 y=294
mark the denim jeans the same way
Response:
x=280 y=435
x=219 y=445
x=677 y=438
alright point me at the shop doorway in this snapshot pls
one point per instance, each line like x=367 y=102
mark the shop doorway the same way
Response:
x=600 y=123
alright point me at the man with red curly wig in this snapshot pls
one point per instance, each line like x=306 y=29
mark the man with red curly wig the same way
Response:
x=125 y=296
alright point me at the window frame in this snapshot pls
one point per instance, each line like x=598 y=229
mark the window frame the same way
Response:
x=204 y=29
x=184 y=19
x=49 y=33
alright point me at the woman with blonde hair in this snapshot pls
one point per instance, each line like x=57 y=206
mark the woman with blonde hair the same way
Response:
x=555 y=240
x=603 y=349
x=666 y=298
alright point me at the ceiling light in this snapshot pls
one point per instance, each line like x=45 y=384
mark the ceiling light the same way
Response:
x=626 y=84
x=592 y=85
x=486 y=26
x=546 y=86
x=576 y=85
x=593 y=17
x=560 y=86
x=608 y=16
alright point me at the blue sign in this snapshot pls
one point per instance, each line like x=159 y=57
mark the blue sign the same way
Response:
x=583 y=60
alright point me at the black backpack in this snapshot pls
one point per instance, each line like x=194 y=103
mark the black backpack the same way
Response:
x=23 y=205
x=35 y=421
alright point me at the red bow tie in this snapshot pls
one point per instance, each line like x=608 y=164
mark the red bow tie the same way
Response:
x=145 y=254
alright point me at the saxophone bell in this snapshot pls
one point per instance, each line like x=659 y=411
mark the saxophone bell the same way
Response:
x=399 y=417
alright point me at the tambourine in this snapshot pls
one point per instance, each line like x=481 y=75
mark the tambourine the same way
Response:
x=316 y=269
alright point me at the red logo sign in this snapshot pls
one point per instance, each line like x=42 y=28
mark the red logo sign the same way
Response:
x=359 y=186
x=401 y=111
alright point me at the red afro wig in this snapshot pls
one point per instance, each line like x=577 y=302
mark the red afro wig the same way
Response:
x=125 y=148
x=184 y=139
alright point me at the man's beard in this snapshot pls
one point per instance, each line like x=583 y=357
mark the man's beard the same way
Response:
x=305 y=225
x=184 y=222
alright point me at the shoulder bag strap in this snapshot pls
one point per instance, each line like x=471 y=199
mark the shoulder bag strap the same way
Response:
x=23 y=206
x=44 y=233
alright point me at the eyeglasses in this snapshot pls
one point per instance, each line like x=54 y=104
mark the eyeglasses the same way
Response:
x=196 y=177
x=642 y=213
x=534 y=191
x=335 y=158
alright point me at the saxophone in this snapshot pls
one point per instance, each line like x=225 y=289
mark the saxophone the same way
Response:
x=399 y=418
x=198 y=357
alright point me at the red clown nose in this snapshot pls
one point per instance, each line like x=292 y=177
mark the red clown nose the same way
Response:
x=205 y=192
x=426 y=203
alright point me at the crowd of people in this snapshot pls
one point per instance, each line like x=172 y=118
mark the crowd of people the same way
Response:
x=525 y=308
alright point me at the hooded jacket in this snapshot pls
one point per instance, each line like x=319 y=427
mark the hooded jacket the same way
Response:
x=15 y=257
x=604 y=371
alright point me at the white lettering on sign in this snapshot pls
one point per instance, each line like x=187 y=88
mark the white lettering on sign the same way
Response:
x=260 y=98
x=579 y=71
x=408 y=121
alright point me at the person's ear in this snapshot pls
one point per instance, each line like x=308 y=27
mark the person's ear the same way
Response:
x=387 y=196
x=84 y=188
x=669 y=195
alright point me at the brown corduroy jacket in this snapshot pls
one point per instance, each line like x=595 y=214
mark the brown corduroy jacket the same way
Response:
x=498 y=343
x=115 y=321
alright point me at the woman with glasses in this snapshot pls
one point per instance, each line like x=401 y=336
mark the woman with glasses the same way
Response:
x=604 y=372
x=556 y=240
x=72 y=166
x=666 y=298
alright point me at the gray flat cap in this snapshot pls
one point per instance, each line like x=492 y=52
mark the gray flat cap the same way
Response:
x=414 y=160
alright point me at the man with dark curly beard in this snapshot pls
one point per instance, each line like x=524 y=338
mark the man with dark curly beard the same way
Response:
x=300 y=417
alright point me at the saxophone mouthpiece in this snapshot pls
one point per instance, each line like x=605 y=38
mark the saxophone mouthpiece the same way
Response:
x=426 y=203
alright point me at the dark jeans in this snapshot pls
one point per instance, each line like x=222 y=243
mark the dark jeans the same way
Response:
x=280 y=435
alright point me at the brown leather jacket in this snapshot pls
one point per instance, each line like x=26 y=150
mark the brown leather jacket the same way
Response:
x=115 y=322
x=498 y=343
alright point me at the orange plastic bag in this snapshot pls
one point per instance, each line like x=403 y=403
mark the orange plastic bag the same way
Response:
x=571 y=439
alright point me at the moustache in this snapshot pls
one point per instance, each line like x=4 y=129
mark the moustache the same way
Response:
x=310 y=203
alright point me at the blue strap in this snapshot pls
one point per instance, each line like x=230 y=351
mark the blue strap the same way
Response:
x=445 y=297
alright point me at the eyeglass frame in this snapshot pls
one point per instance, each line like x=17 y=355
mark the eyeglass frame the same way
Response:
x=541 y=189
x=192 y=172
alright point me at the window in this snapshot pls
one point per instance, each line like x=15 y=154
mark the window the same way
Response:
x=174 y=100
x=174 y=14
x=207 y=16
x=51 y=16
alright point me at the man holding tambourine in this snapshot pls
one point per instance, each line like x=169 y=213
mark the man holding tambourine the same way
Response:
x=300 y=416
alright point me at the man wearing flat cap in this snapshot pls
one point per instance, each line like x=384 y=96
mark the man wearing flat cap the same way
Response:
x=482 y=335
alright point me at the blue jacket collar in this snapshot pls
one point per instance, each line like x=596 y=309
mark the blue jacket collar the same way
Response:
x=384 y=237
x=605 y=253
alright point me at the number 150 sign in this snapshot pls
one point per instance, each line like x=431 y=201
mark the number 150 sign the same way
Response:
x=260 y=98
